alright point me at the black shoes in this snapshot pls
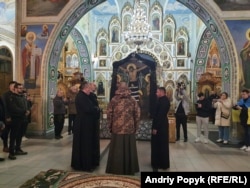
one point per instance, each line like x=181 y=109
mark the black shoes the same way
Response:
x=21 y=152
x=12 y=157
x=18 y=152
x=2 y=159
x=185 y=140
x=58 y=137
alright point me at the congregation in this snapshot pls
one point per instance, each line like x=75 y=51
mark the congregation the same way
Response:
x=123 y=116
x=15 y=116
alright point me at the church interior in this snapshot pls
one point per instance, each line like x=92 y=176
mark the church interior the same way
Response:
x=192 y=42
x=203 y=44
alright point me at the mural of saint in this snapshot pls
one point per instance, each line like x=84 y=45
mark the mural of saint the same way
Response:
x=245 y=58
x=102 y=63
x=126 y=22
x=115 y=35
x=215 y=61
x=45 y=31
x=168 y=35
x=103 y=48
x=181 y=47
x=156 y=23
x=23 y=30
x=31 y=61
x=180 y=63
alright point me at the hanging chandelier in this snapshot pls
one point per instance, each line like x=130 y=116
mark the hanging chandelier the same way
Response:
x=139 y=29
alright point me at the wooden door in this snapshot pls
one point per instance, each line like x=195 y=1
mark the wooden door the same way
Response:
x=6 y=74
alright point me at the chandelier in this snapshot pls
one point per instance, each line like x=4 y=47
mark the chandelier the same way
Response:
x=139 y=29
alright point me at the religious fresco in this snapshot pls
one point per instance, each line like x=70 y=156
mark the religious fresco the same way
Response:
x=99 y=23
x=33 y=41
x=136 y=72
x=233 y=5
x=44 y=8
x=168 y=34
x=240 y=31
x=172 y=7
x=213 y=59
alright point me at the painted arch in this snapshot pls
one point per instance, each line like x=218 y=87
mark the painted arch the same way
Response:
x=66 y=25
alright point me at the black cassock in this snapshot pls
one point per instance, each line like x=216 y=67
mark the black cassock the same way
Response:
x=94 y=100
x=83 y=153
x=160 y=141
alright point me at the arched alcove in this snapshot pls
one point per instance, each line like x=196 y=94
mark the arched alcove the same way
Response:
x=64 y=27
x=6 y=64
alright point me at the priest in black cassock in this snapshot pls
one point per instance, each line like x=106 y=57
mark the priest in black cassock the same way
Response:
x=83 y=152
x=93 y=98
x=160 y=135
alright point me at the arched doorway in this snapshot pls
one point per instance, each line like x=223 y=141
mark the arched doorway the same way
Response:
x=6 y=62
x=66 y=26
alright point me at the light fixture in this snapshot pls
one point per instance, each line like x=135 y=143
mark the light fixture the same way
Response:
x=139 y=29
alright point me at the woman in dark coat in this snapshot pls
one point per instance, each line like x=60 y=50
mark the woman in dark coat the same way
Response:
x=160 y=135
x=83 y=150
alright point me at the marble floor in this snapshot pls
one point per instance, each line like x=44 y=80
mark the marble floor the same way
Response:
x=44 y=154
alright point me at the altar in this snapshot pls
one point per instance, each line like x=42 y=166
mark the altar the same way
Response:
x=144 y=132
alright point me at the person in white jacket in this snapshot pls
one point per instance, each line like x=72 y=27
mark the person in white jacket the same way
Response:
x=182 y=110
x=223 y=107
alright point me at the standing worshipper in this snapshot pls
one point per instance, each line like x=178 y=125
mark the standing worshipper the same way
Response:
x=18 y=111
x=83 y=151
x=23 y=92
x=203 y=108
x=29 y=105
x=72 y=107
x=243 y=105
x=6 y=131
x=94 y=100
x=60 y=103
x=160 y=132
x=182 y=110
x=223 y=105
x=213 y=99
x=123 y=115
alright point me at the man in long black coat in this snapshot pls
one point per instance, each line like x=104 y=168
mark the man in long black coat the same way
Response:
x=83 y=138
x=160 y=132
